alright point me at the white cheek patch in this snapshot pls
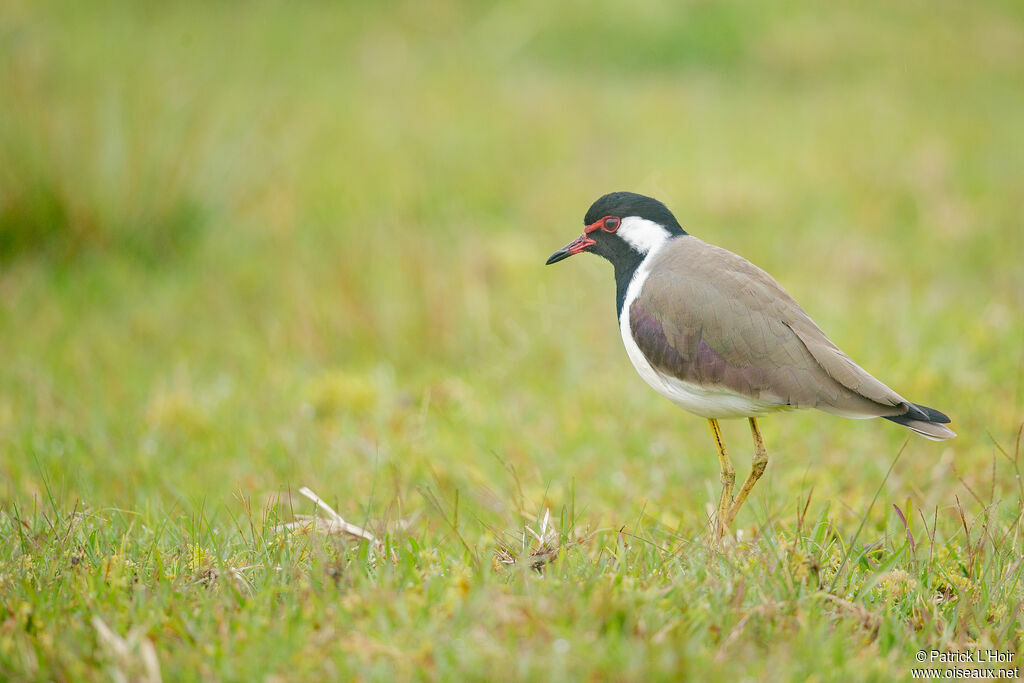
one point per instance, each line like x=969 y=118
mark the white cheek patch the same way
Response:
x=642 y=235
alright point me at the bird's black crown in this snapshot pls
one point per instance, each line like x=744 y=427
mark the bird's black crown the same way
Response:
x=624 y=204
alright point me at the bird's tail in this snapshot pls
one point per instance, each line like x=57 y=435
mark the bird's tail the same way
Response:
x=926 y=421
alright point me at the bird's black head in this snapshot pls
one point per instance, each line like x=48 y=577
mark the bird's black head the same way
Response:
x=623 y=227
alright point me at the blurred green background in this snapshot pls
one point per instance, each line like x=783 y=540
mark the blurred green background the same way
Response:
x=250 y=247
x=246 y=246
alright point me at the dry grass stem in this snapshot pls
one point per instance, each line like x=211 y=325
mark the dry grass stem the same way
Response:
x=134 y=657
x=333 y=525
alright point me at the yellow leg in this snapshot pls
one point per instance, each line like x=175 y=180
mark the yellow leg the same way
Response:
x=728 y=480
x=758 y=465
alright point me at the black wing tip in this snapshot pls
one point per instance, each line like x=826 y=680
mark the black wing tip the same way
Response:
x=918 y=417
x=934 y=430
x=926 y=414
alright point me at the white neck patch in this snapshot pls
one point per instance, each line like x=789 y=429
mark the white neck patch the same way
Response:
x=642 y=235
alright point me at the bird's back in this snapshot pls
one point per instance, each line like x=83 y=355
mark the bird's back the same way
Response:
x=708 y=316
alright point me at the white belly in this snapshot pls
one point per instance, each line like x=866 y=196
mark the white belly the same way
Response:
x=706 y=402
x=716 y=402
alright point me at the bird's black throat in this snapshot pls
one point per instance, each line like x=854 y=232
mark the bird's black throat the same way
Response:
x=623 y=256
x=623 y=276
x=624 y=259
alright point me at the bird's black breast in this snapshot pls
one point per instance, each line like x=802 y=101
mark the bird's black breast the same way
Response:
x=625 y=270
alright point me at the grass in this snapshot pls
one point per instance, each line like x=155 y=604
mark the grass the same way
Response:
x=248 y=250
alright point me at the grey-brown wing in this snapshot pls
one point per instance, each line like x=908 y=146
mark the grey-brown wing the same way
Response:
x=708 y=316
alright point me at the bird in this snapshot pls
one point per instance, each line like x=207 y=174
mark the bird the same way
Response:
x=721 y=338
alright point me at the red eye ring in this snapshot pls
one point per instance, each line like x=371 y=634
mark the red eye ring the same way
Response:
x=610 y=224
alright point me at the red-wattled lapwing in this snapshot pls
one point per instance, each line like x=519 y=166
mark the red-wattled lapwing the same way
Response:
x=719 y=337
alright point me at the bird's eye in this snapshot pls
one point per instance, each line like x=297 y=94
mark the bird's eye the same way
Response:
x=611 y=224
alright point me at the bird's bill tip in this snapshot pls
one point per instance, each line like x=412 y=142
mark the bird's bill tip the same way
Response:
x=576 y=246
x=559 y=255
